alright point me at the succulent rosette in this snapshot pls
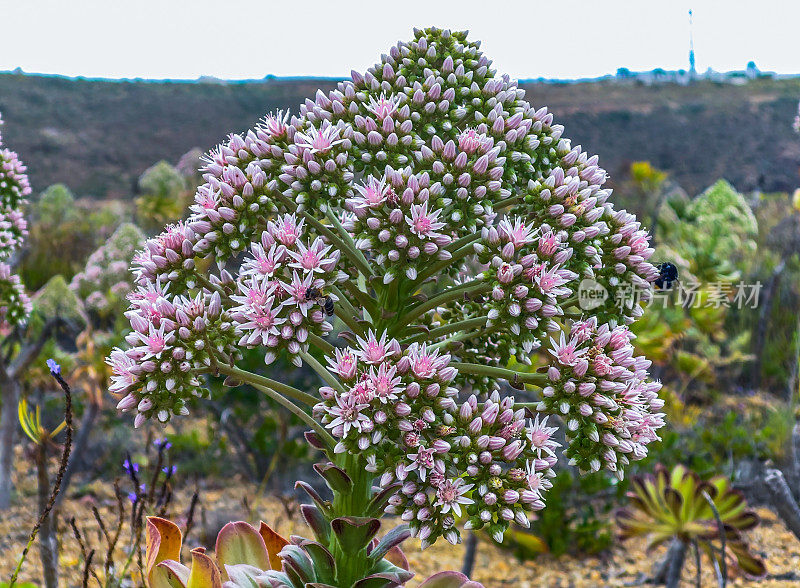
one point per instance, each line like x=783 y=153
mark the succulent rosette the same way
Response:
x=447 y=224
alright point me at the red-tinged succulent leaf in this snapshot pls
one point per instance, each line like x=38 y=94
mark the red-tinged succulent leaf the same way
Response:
x=397 y=557
x=316 y=521
x=747 y=562
x=169 y=573
x=163 y=541
x=205 y=573
x=354 y=533
x=638 y=503
x=644 y=488
x=744 y=521
x=674 y=502
x=315 y=442
x=239 y=543
x=384 y=580
x=449 y=580
x=322 y=504
x=295 y=557
x=274 y=543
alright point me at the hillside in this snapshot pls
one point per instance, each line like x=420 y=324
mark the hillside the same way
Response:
x=98 y=136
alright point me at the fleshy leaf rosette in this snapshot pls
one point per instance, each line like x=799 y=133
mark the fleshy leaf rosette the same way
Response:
x=446 y=223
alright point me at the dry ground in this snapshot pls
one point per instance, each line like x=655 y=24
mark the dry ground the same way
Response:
x=623 y=566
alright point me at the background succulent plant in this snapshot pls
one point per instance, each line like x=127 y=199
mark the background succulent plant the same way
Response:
x=677 y=505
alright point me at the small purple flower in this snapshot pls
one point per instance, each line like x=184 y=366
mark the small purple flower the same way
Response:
x=130 y=466
x=170 y=470
x=52 y=364
x=162 y=444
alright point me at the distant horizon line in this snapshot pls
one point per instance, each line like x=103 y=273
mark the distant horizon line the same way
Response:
x=213 y=79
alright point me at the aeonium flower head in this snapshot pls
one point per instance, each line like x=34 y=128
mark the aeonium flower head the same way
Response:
x=446 y=223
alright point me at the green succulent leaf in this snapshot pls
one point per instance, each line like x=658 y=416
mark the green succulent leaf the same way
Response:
x=324 y=563
x=380 y=501
x=354 y=533
x=242 y=576
x=675 y=504
x=296 y=562
x=392 y=539
x=322 y=504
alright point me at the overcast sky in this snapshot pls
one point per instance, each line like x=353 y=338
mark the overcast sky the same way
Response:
x=249 y=39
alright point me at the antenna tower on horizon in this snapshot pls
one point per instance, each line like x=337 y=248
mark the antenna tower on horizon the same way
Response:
x=692 y=69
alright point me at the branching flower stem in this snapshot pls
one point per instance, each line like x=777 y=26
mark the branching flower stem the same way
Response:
x=473 y=287
x=320 y=343
x=256 y=381
x=457 y=255
x=362 y=297
x=330 y=380
x=446 y=330
x=501 y=373
x=346 y=237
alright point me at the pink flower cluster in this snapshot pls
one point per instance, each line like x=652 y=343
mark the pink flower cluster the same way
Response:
x=173 y=341
x=396 y=222
x=529 y=275
x=600 y=389
x=570 y=203
x=168 y=258
x=14 y=189
x=282 y=289
x=397 y=408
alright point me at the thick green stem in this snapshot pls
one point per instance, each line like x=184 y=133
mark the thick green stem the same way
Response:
x=361 y=297
x=507 y=202
x=320 y=344
x=346 y=237
x=351 y=567
x=436 y=268
x=211 y=287
x=351 y=323
x=465 y=240
x=344 y=301
x=463 y=337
